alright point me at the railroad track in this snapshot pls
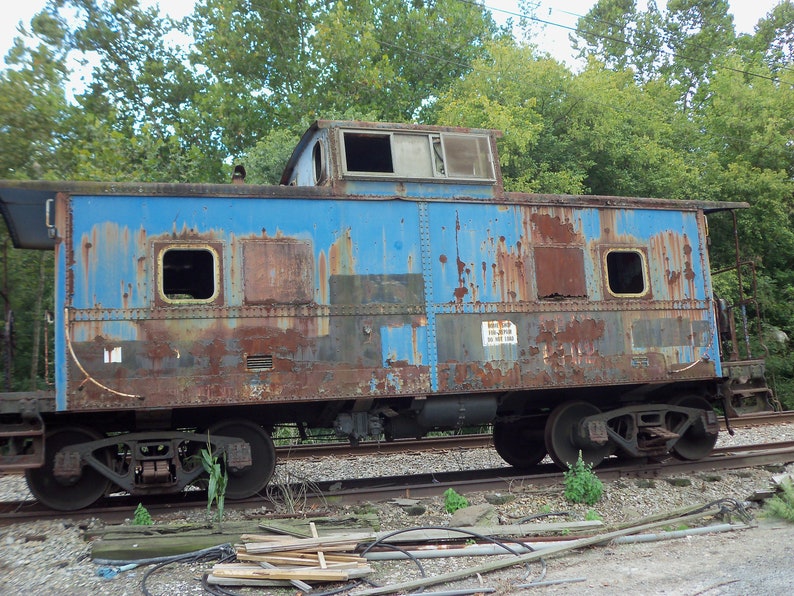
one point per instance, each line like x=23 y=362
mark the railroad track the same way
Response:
x=115 y=509
x=473 y=441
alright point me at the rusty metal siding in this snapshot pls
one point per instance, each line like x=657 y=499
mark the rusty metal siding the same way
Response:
x=543 y=269
x=350 y=297
x=318 y=299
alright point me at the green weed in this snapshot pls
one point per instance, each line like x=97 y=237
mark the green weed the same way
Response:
x=216 y=489
x=581 y=483
x=782 y=504
x=142 y=517
x=453 y=501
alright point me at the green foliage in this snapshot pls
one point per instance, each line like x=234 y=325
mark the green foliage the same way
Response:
x=454 y=501
x=782 y=504
x=265 y=161
x=216 y=489
x=142 y=517
x=29 y=276
x=592 y=515
x=581 y=483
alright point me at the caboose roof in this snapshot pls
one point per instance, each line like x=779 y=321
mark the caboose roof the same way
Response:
x=24 y=203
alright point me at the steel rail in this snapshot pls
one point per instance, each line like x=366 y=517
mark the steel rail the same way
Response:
x=117 y=508
x=472 y=441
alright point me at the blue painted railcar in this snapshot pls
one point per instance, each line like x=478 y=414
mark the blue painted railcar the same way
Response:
x=389 y=286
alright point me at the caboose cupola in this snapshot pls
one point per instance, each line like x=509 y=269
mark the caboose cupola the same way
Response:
x=396 y=159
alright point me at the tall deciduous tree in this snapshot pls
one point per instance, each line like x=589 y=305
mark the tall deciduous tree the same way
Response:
x=274 y=63
x=774 y=39
x=620 y=35
x=680 y=43
x=33 y=100
x=136 y=117
x=393 y=57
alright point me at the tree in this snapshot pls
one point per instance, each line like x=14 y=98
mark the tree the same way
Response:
x=774 y=39
x=524 y=96
x=621 y=36
x=136 y=118
x=680 y=44
x=393 y=57
x=274 y=64
x=698 y=33
x=32 y=88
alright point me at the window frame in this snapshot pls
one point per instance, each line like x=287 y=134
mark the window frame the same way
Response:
x=438 y=170
x=609 y=292
x=214 y=249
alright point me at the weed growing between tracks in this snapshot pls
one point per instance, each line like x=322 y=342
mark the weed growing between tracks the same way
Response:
x=782 y=504
x=581 y=483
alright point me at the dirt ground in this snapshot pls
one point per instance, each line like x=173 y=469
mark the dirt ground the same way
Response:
x=758 y=560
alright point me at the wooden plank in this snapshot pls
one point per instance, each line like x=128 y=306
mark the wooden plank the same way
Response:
x=306 y=574
x=154 y=546
x=126 y=532
x=302 y=586
x=297 y=554
x=325 y=526
x=308 y=559
x=261 y=583
x=349 y=541
x=320 y=554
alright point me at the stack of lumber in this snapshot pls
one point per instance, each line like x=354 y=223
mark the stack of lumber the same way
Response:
x=261 y=558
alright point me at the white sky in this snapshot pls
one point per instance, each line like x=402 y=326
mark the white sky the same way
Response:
x=553 y=40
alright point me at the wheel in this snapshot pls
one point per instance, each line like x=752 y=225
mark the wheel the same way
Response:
x=519 y=444
x=562 y=440
x=249 y=481
x=66 y=495
x=695 y=443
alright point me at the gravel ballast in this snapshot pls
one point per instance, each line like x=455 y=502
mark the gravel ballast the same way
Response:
x=52 y=556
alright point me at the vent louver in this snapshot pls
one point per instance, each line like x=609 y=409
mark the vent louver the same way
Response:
x=259 y=362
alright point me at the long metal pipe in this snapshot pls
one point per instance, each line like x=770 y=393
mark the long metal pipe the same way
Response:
x=494 y=549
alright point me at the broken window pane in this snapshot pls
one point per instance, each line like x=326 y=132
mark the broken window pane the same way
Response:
x=366 y=152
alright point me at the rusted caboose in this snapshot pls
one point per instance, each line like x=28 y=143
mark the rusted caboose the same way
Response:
x=389 y=286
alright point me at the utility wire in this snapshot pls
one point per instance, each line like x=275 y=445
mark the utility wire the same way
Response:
x=623 y=41
x=664 y=36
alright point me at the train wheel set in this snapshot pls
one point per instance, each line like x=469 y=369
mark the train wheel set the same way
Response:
x=81 y=465
x=686 y=428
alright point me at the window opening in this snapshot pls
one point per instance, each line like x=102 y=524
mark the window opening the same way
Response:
x=368 y=153
x=317 y=159
x=626 y=272
x=188 y=274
